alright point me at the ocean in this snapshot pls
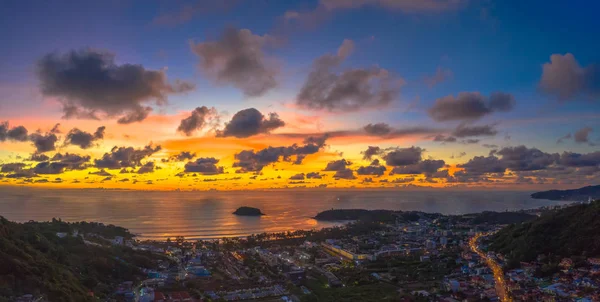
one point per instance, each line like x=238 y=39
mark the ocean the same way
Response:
x=158 y=215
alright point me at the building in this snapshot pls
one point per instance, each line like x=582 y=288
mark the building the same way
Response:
x=444 y=241
x=430 y=244
x=118 y=240
x=344 y=253
x=296 y=276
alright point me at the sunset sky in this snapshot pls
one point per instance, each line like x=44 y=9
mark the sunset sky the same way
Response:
x=252 y=94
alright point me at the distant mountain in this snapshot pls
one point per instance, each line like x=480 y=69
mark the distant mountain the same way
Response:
x=581 y=194
x=572 y=231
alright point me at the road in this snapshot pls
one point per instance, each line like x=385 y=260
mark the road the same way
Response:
x=501 y=289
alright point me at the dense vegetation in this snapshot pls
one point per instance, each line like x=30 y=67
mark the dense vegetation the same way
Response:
x=499 y=217
x=34 y=260
x=369 y=292
x=581 y=194
x=370 y=215
x=573 y=231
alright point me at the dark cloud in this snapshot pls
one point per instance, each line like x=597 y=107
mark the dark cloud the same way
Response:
x=470 y=106
x=490 y=146
x=197 y=120
x=378 y=129
x=350 y=90
x=344 y=174
x=465 y=131
x=249 y=122
x=73 y=161
x=89 y=84
x=373 y=169
x=39 y=157
x=12 y=167
x=50 y=168
x=393 y=134
x=204 y=165
x=326 y=8
x=18 y=133
x=427 y=167
x=56 y=129
x=572 y=159
x=403 y=156
x=238 y=59
x=581 y=136
x=563 y=138
x=187 y=12
x=441 y=75
x=403 y=180
x=337 y=165
x=44 y=142
x=181 y=156
x=120 y=157
x=460 y=155
x=146 y=168
x=84 y=139
x=370 y=152
x=313 y=175
x=22 y=174
x=564 y=78
x=469 y=141
x=367 y=180
x=255 y=161
x=136 y=115
x=299 y=176
x=101 y=172
x=480 y=165
x=521 y=158
x=444 y=139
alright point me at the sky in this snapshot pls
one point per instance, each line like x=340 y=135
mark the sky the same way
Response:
x=261 y=94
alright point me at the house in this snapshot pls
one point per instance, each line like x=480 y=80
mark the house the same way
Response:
x=118 y=240
x=566 y=263
x=594 y=261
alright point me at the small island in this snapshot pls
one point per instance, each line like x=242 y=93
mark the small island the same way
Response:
x=248 y=211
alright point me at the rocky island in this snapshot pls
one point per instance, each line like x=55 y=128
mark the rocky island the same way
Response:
x=248 y=211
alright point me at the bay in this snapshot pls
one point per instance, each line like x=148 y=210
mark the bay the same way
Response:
x=208 y=214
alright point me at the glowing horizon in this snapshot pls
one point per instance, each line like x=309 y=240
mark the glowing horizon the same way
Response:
x=294 y=97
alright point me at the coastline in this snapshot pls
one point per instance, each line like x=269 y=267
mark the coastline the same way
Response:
x=158 y=215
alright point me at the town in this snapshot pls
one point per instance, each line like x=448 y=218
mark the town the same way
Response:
x=384 y=255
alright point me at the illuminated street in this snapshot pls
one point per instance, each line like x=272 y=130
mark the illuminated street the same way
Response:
x=501 y=289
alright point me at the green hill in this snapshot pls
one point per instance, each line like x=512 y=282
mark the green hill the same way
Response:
x=573 y=231
x=34 y=260
x=582 y=194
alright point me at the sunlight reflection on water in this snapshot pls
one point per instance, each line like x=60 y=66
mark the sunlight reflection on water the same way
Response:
x=157 y=215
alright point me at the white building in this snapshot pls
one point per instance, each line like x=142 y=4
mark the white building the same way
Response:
x=118 y=240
